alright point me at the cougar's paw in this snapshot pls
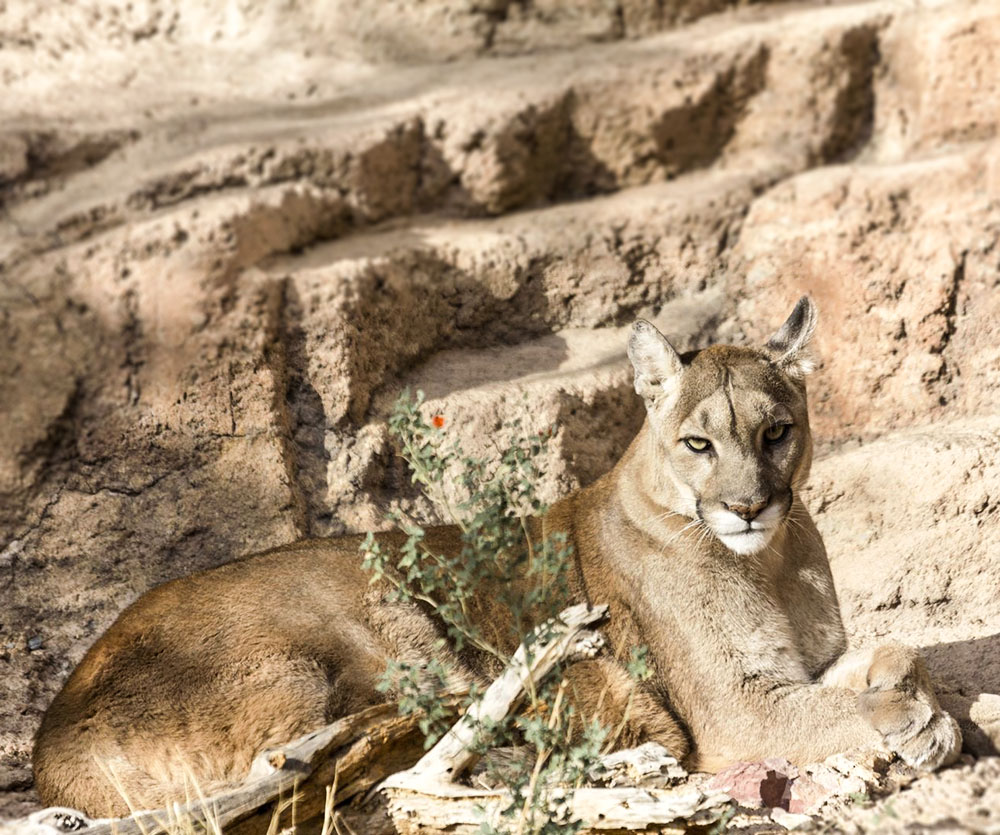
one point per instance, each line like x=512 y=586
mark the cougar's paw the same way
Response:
x=938 y=744
x=923 y=736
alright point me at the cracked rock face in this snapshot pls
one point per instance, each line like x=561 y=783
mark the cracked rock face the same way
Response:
x=231 y=236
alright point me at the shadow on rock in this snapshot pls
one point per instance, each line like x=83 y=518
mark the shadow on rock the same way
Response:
x=968 y=676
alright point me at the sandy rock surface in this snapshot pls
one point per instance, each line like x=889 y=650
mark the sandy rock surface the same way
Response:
x=230 y=233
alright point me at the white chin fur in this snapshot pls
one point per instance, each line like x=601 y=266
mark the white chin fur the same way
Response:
x=746 y=543
x=732 y=530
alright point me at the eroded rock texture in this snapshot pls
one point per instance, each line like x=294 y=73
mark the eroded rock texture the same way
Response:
x=232 y=233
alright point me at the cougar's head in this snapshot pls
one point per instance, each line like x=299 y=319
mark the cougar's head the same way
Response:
x=730 y=425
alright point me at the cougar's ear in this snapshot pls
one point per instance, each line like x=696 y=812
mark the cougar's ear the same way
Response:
x=789 y=347
x=656 y=363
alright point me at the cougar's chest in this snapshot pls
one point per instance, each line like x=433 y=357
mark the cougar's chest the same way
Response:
x=793 y=598
x=778 y=621
x=765 y=634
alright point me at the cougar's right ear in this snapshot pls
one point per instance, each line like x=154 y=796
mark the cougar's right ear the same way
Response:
x=789 y=347
x=657 y=365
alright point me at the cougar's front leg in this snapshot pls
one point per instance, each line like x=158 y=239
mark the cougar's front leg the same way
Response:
x=756 y=716
x=896 y=696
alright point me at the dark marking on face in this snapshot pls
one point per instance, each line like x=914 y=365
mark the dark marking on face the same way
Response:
x=727 y=384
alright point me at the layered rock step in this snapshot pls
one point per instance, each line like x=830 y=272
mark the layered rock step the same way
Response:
x=780 y=90
x=778 y=94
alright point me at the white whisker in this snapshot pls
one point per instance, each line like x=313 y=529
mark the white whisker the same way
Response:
x=694 y=523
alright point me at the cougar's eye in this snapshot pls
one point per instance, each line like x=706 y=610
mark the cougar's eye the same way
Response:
x=776 y=433
x=698 y=444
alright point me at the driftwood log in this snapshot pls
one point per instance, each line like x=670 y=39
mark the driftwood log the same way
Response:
x=354 y=753
x=320 y=772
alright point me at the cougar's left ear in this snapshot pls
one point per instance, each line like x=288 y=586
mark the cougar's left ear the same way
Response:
x=789 y=347
x=657 y=365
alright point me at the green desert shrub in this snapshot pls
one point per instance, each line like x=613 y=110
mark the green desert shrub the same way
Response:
x=528 y=575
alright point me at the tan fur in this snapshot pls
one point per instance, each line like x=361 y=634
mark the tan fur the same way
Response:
x=709 y=558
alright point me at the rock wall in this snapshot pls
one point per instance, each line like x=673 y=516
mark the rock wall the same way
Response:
x=231 y=233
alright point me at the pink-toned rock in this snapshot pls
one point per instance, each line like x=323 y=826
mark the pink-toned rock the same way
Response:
x=764 y=783
x=778 y=783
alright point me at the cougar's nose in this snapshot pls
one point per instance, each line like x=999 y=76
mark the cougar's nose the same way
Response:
x=747 y=512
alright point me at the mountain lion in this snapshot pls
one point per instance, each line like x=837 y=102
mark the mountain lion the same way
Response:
x=697 y=539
